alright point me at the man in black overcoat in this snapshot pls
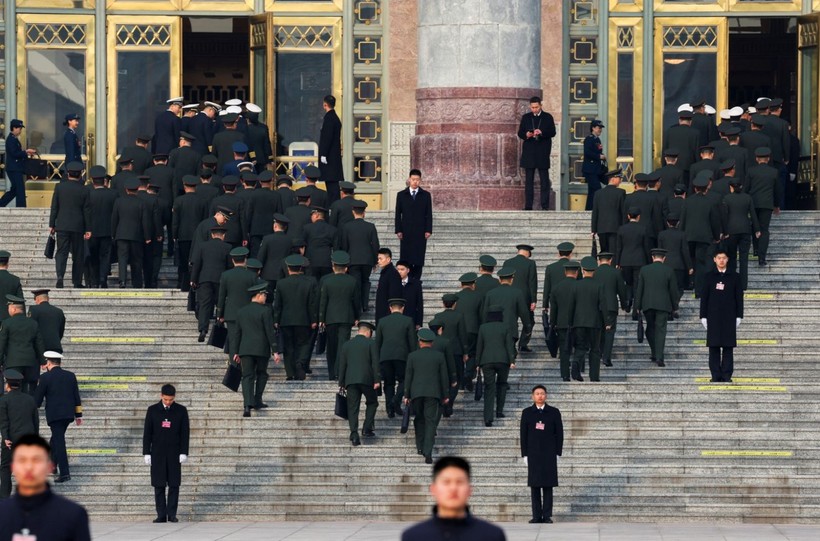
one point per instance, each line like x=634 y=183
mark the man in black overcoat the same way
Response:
x=414 y=222
x=721 y=312
x=167 y=127
x=389 y=286
x=536 y=130
x=412 y=294
x=330 y=150
x=542 y=442
x=165 y=448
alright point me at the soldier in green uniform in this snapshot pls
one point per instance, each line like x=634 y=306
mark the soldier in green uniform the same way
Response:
x=469 y=305
x=554 y=273
x=284 y=187
x=426 y=388
x=632 y=251
x=274 y=249
x=686 y=139
x=613 y=289
x=233 y=294
x=657 y=298
x=764 y=187
x=360 y=239
x=707 y=162
x=299 y=214
x=319 y=237
x=485 y=280
x=495 y=355
x=561 y=306
x=511 y=301
x=21 y=345
x=18 y=417
x=700 y=221
x=209 y=260
x=255 y=343
x=359 y=376
x=341 y=210
x=50 y=319
x=526 y=280
x=673 y=240
x=740 y=225
x=455 y=330
x=188 y=211
x=608 y=211
x=295 y=314
x=395 y=340
x=339 y=308
x=9 y=284
x=648 y=204
x=445 y=346
x=589 y=317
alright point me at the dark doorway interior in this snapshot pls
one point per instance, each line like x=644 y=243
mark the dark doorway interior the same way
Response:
x=763 y=61
x=215 y=59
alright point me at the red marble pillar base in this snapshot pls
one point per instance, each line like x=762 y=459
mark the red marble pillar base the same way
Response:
x=467 y=147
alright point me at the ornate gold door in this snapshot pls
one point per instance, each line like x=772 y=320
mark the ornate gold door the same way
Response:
x=144 y=70
x=807 y=100
x=691 y=56
x=55 y=62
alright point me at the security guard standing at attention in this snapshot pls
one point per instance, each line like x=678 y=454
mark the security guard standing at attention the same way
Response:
x=608 y=211
x=657 y=298
x=561 y=310
x=234 y=294
x=71 y=139
x=50 y=319
x=426 y=387
x=254 y=344
x=61 y=393
x=273 y=250
x=21 y=346
x=526 y=280
x=18 y=417
x=485 y=280
x=589 y=317
x=295 y=314
x=495 y=356
x=9 y=284
x=613 y=290
x=594 y=161
x=209 y=260
x=360 y=239
x=554 y=272
x=395 y=340
x=339 y=308
x=359 y=376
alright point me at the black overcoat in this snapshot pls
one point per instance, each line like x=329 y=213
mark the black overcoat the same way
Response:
x=721 y=301
x=414 y=218
x=330 y=146
x=542 y=447
x=535 y=152
x=165 y=437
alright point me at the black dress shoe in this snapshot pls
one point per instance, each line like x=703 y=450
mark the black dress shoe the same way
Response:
x=525 y=349
x=122 y=285
x=661 y=363
x=418 y=451
x=173 y=519
x=715 y=380
x=727 y=380
x=606 y=362
x=428 y=460
x=500 y=415
x=59 y=284
x=762 y=263
x=536 y=521
x=104 y=285
x=308 y=371
x=469 y=386
x=201 y=337
x=488 y=423
x=355 y=440
x=547 y=520
x=246 y=412
x=63 y=479
x=260 y=406
x=595 y=380
x=369 y=434
x=577 y=377
x=653 y=359
x=565 y=379
x=289 y=378
x=160 y=519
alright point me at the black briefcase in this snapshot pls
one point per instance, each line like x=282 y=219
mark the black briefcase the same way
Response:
x=594 y=247
x=192 y=300
x=340 y=410
x=552 y=342
x=232 y=377
x=321 y=342
x=219 y=335
x=479 y=386
x=51 y=245
x=405 y=418
x=640 y=329
x=36 y=168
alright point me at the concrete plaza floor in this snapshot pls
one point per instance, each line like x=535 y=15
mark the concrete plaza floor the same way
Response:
x=385 y=531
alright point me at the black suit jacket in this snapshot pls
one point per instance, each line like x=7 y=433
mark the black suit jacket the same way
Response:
x=413 y=295
x=414 y=218
x=59 y=389
x=131 y=219
x=166 y=133
x=389 y=288
x=101 y=202
x=202 y=127
x=70 y=210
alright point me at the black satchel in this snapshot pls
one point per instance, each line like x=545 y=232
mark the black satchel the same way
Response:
x=640 y=329
x=341 y=405
x=219 y=335
x=232 y=377
x=552 y=342
x=321 y=342
x=594 y=247
x=192 y=300
x=36 y=168
x=479 y=386
x=51 y=245
x=405 y=418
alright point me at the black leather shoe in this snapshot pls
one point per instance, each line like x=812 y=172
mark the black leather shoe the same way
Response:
x=369 y=434
x=201 y=337
x=355 y=440
x=246 y=412
x=547 y=520
x=577 y=377
x=308 y=371
x=418 y=451
x=469 y=386
x=173 y=519
x=104 y=285
x=159 y=520
x=525 y=349
x=762 y=263
x=289 y=378
x=607 y=363
x=661 y=363
x=566 y=379
x=500 y=415
x=595 y=380
x=122 y=285
x=260 y=406
x=488 y=423
x=63 y=479
x=727 y=380
x=428 y=460
x=536 y=521
x=653 y=359
x=715 y=380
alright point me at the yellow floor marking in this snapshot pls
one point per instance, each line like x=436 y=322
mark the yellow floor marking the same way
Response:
x=112 y=340
x=124 y=294
x=747 y=453
x=92 y=451
x=757 y=342
x=743 y=380
x=103 y=386
x=112 y=378
x=756 y=388
x=759 y=296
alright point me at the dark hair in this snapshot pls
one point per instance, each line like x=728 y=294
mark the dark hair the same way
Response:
x=449 y=304
x=169 y=390
x=539 y=386
x=719 y=251
x=403 y=263
x=414 y=173
x=14 y=383
x=31 y=440
x=451 y=462
x=564 y=253
x=386 y=251
x=330 y=100
x=488 y=268
x=535 y=99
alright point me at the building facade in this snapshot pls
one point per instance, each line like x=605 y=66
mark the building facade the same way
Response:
x=434 y=84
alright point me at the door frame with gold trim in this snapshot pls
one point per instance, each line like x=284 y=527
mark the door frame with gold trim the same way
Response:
x=48 y=38
x=808 y=94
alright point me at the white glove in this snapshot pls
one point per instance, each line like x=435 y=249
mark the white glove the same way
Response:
x=183 y=458
x=526 y=463
x=703 y=322
x=147 y=460
x=737 y=322
x=792 y=176
x=324 y=160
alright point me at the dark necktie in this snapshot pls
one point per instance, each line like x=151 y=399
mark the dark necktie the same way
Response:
x=413 y=194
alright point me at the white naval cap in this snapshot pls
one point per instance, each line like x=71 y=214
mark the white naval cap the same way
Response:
x=751 y=110
x=178 y=100
x=52 y=355
x=235 y=109
x=253 y=108
x=234 y=101
x=710 y=110
x=736 y=111
x=190 y=106
x=685 y=107
x=223 y=112
x=212 y=104
x=725 y=114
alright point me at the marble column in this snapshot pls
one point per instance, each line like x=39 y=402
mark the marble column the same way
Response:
x=479 y=62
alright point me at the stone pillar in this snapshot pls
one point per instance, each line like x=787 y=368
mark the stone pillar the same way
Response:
x=479 y=63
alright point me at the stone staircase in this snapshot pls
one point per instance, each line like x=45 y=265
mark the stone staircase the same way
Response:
x=646 y=444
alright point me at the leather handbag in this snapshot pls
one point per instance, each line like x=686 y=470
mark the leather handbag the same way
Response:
x=594 y=247
x=479 y=386
x=405 y=418
x=641 y=331
x=219 y=335
x=232 y=377
x=51 y=245
x=340 y=410
x=552 y=341
x=192 y=300
x=36 y=168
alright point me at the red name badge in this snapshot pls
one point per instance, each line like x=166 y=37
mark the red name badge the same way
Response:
x=719 y=286
x=166 y=424
x=539 y=425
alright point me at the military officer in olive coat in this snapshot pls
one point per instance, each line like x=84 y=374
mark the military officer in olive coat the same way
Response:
x=263 y=205
x=700 y=220
x=511 y=301
x=589 y=318
x=686 y=139
x=341 y=210
x=608 y=211
x=254 y=344
x=561 y=314
x=455 y=331
x=319 y=237
x=70 y=219
x=209 y=260
x=426 y=388
x=495 y=356
x=632 y=251
x=339 y=308
x=274 y=249
x=296 y=314
x=613 y=290
x=395 y=340
x=765 y=190
x=485 y=280
x=656 y=297
x=21 y=345
x=526 y=280
x=50 y=319
x=554 y=272
x=359 y=376
x=234 y=294
x=188 y=211
x=470 y=304
x=360 y=240
x=740 y=225
x=18 y=417
x=131 y=226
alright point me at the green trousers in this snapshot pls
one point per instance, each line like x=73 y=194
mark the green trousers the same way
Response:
x=337 y=335
x=254 y=378
x=587 y=341
x=495 y=389
x=656 y=322
x=425 y=423
x=608 y=337
x=564 y=352
x=354 y=402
